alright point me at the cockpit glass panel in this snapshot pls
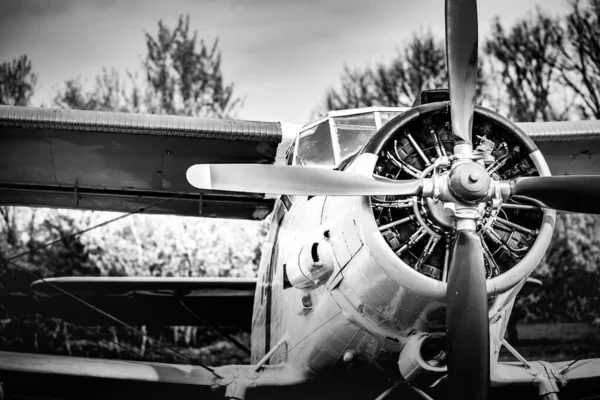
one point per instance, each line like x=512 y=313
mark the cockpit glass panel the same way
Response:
x=314 y=146
x=387 y=115
x=354 y=131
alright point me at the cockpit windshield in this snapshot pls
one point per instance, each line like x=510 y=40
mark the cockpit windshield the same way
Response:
x=315 y=147
x=339 y=135
x=353 y=132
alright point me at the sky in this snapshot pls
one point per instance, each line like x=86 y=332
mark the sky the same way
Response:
x=281 y=55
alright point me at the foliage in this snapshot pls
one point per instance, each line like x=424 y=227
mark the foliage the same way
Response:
x=17 y=82
x=527 y=57
x=110 y=92
x=187 y=81
x=570 y=273
x=138 y=246
x=357 y=91
x=522 y=62
x=175 y=246
x=580 y=68
x=530 y=56
x=179 y=76
x=420 y=66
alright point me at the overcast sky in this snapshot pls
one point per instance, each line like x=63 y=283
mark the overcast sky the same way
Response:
x=281 y=55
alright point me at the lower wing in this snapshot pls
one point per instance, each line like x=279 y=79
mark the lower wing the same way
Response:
x=42 y=376
x=576 y=379
x=142 y=300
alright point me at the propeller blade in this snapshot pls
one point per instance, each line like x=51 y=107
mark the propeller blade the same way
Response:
x=461 y=58
x=295 y=180
x=467 y=320
x=575 y=193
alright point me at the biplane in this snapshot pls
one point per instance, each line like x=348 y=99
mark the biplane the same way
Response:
x=399 y=240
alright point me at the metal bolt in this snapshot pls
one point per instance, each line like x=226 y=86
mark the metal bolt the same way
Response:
x=473 y=177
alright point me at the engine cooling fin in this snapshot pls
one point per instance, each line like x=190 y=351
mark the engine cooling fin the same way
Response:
x=420 y=230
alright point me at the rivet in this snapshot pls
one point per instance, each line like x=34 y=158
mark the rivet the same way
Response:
x=348 y=356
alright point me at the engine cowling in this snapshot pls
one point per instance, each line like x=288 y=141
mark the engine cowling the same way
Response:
x=420 y=230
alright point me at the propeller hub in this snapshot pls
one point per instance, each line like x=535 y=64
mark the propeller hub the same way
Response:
x=469 y=182
x=440 y=214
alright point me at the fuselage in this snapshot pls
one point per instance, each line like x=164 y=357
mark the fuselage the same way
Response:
x=373 y=310
x=367 y=310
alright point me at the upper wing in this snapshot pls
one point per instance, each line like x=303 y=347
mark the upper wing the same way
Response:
x=143 y=300
x=121 y=162
x=570 y=147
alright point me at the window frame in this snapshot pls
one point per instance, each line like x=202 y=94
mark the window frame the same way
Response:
x=307 y=128
x=329 y=117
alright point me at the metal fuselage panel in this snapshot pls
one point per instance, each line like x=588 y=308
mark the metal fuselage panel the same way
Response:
x=370 y=306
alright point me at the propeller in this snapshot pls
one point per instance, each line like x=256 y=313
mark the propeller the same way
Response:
x=467 y=319
x=461 y=58
x=466 y=297
x=295 y=180
x=574 y=193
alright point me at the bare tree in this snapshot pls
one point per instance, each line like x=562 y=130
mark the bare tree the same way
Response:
x=526 y=58
x=357 y=90
x=581 y=67
x=529 y=59
x=420 y=66
x=110 y=92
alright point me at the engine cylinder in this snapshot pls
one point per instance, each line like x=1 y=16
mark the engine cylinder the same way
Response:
x=418 y=229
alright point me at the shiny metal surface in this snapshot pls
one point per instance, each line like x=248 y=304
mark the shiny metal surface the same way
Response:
x=105 y=369
x=461 y=56
x=569 y=147
x=294 y=180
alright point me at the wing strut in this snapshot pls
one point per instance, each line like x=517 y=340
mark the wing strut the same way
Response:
x=6 y=262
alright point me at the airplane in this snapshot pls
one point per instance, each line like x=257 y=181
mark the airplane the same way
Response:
x=399 y=240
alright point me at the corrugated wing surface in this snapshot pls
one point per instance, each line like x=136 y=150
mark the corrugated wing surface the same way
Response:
x=120 y=162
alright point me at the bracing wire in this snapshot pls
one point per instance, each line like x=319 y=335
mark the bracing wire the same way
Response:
x=10 y=260
x=6 y=262
x=110 y=221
